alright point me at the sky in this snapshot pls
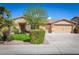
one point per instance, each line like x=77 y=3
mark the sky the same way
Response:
x=54 y=10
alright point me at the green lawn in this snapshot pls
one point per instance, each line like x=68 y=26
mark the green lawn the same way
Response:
x=21 y=37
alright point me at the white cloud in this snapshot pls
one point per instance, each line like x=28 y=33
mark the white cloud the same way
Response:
x=49 y=17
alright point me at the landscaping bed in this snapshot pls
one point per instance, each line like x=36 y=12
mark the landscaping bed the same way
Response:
x=35 y=36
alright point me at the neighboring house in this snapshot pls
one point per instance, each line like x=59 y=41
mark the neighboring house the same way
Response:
x=62 y=26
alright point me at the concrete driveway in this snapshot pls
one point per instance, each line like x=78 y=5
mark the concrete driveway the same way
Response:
x=66 y=43
x=58 y=43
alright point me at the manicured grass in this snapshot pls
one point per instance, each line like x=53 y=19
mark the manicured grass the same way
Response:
x=37 y=36
x=21 y=37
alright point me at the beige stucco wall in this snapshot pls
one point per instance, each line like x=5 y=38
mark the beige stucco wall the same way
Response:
x=65 y=27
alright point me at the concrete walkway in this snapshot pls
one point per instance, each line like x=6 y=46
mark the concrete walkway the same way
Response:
x=58 y=43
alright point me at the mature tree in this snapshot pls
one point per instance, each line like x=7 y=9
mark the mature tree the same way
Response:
x=35 y=16
x=5 y=22
x=76 y=19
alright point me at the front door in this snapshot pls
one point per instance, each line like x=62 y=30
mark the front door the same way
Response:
x=22 y=27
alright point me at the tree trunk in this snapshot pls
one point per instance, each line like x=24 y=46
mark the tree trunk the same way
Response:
x=37 y=26
x=32 y=26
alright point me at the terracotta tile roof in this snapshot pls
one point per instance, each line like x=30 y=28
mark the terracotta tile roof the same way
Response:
x=65 y=20
x=52 y=21
x=55 y=21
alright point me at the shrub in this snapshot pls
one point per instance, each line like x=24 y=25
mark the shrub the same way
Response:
x=1 y=38
x=4 y=29
x=37 y=36
x=21 y=37
x=15 y=30
x=5 y=32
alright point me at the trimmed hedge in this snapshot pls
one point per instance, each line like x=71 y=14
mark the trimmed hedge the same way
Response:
x=37 y=36
x=21 y=37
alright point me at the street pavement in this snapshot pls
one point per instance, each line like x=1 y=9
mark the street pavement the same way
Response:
x=58 y=43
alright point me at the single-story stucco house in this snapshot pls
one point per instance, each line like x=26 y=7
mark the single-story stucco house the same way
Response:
x=56 y=25
x=62 y=26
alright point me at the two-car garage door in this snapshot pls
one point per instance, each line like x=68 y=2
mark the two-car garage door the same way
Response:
x=62 y=29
